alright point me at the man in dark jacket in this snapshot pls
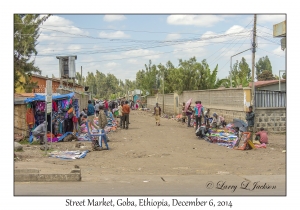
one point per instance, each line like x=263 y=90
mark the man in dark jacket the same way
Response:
x=250 y=119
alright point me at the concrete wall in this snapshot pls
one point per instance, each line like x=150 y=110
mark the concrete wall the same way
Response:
x=229 y=103
x=271 y=119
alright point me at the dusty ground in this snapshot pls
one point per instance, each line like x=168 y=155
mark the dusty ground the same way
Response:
x=169 y=149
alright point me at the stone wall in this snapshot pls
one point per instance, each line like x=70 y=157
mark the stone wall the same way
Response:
x=20 y=125
x=272 y=120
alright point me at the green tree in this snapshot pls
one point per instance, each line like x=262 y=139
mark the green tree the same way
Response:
x=266 y=75
x=240 y=74
x=26 y=33
x=263 y=64
x=80 y=80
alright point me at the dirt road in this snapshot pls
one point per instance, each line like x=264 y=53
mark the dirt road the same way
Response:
x=169 y=149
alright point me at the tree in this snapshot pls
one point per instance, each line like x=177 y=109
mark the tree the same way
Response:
x=265 y=75
x=240 y=74
x=26 y=33
x=283 y=76
x=263 y=64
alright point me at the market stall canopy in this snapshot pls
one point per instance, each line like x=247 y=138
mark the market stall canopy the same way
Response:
x=38 y=97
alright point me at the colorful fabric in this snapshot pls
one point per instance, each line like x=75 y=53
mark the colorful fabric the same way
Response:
x=30 y=117
x=41 y=106
x=54 y=106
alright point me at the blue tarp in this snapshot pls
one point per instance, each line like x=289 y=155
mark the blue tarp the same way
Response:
x=42 y=97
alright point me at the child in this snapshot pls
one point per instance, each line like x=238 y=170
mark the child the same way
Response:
x=262 y=136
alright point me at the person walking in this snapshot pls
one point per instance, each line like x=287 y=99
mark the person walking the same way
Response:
x=189 y=113
x=121 y=113
x=125 y=112
x=97 y=108
x=105 y=107
x=250 y=119
x=102 y=122
x=206 y=116
x=91 y=116
x=183 y=113
x=198 y=109
x=157 y=113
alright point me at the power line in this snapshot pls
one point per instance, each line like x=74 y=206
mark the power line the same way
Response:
x=157 y=32
x=202 y=39
x=271 y=52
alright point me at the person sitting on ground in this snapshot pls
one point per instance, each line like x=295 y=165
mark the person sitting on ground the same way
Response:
x=262 y=136
x=202 y=131
x=218 y=121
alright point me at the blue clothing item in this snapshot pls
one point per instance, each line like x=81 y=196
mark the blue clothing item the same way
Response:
x=91 y=110
x=196 y=110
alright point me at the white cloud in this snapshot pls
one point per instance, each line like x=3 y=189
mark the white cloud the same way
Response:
x=279 y=51
x=56 y=28
x=270 y=18
x=110 y=18
x=173 y=36
x=132 y=61
x=74 y=48
x=111 y=64
x=148 y=54
x=113 y=35
x=197 y=20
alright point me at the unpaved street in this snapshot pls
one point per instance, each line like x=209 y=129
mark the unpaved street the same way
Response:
x=168 y=150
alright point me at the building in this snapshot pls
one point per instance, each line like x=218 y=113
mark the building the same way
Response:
x=41 y=85
x=271 y=85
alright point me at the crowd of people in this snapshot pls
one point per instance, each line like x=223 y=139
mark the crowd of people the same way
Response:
x=204 y=121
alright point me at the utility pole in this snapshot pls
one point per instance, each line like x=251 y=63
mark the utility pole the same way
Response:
x=253 y=68
x=81 y=77
x=163 y=91
x=253 y=60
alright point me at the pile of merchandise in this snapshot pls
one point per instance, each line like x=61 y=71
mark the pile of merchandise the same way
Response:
x=223 y=137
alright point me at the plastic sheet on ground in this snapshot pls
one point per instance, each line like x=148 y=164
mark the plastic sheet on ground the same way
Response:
x=68 y=154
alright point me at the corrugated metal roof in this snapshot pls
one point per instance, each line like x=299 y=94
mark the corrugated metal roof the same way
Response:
x=266 y=83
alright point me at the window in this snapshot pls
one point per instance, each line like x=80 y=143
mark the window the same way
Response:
x=66 y=67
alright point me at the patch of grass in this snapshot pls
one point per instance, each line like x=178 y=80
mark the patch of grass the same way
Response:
x=25 y=141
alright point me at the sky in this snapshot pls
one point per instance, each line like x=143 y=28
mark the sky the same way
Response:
x=123 y=44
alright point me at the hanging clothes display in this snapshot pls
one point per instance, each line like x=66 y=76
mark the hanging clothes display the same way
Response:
x=30 y=118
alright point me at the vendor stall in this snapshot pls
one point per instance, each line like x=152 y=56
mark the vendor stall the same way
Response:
x=65 y=108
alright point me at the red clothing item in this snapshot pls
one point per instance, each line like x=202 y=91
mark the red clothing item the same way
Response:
x=263 y=136
x=125 y=109
x=106 y=105
x=30 y=117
